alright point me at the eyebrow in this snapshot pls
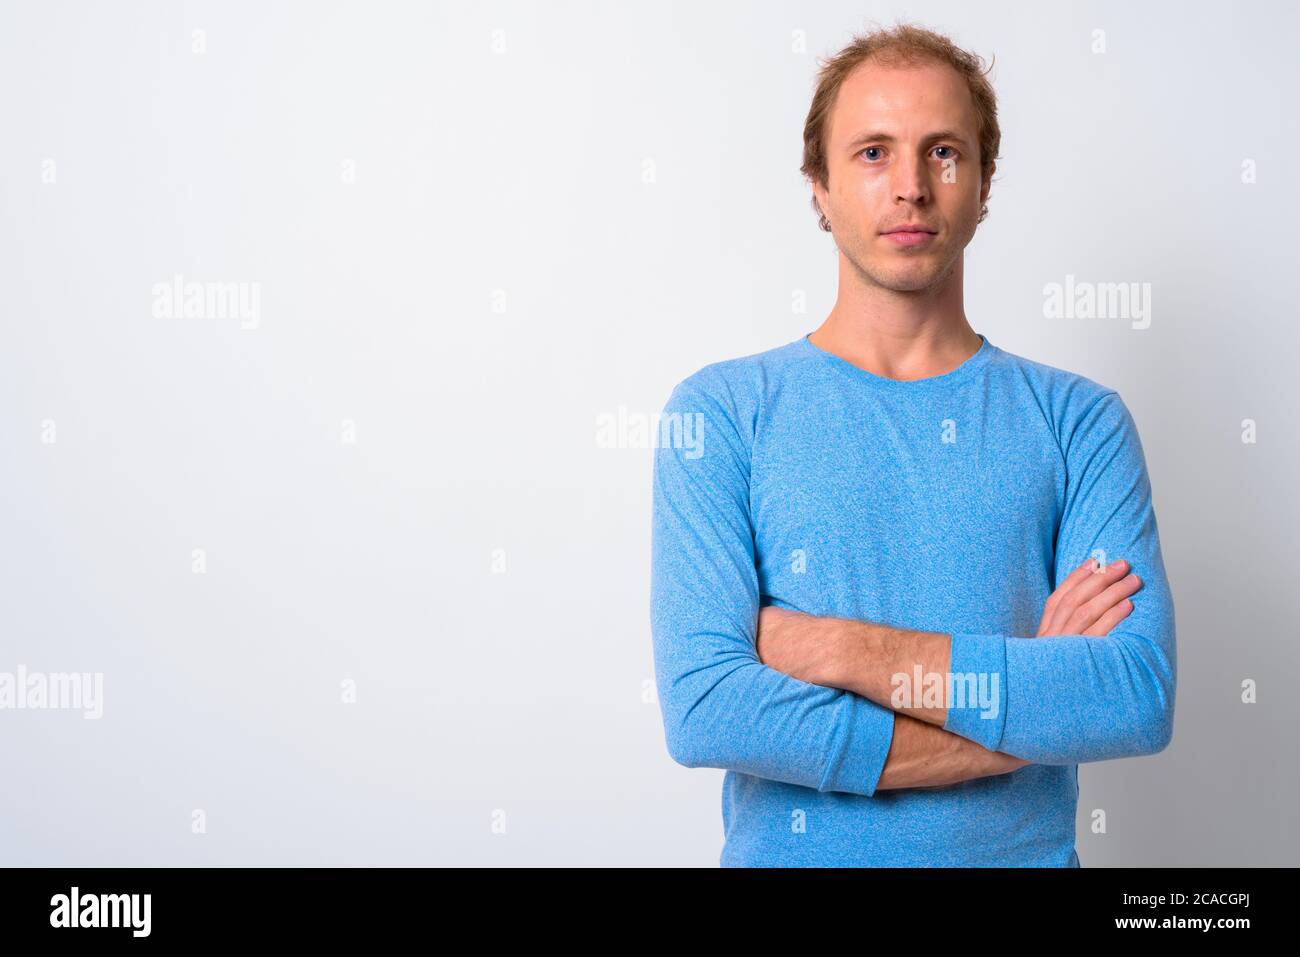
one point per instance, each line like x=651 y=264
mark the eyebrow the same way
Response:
x=875 y=137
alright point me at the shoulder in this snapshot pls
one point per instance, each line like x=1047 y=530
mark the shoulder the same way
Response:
x=735 y=387
x=1071 y=402
x=1067 y=390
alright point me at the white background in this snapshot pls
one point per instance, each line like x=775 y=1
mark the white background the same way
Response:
x=498 y=275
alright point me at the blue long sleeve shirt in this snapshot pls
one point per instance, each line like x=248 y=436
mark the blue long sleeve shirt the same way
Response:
x=951 y=504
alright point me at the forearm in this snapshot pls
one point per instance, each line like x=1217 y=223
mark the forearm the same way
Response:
x=897 y=668
x=922 y=756
x=1060 y=699
x=1077 y=698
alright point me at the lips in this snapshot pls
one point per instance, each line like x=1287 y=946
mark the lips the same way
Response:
x=909 y=237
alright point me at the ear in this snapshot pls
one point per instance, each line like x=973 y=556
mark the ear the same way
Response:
x=822 y=196
x=987 y=185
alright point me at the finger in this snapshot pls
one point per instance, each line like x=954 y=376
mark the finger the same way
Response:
x=1093 y=585
x=1117 y=592
x=1087 y=588
x=1087 y=568
x=1090 y=612
x=1113 y=617
x=1061 y=602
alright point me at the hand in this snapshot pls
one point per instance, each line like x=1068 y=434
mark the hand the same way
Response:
x=1091 y=601
x=806 y=647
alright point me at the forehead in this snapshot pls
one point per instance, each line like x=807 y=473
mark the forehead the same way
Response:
x=902 y=98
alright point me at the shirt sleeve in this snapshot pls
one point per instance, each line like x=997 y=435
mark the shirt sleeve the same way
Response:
x=721 y=706
x=1069 y=699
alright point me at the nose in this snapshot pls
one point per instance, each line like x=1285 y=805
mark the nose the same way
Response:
x=911 y=181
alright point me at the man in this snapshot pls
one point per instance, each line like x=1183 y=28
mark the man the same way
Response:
x=909 y=580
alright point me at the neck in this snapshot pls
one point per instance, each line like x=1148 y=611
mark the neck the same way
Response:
x=899 y=335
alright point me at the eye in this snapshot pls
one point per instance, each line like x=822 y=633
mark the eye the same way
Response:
x=868 y=150
x=950 y=150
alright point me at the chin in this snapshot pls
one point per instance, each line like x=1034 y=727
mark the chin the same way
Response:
x=907 y=280
x=916 y=286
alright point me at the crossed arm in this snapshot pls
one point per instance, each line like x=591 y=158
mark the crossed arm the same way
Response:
x=1064 y=697
x=881 y=663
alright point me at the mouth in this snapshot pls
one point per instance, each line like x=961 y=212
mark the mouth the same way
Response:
x=910 y=236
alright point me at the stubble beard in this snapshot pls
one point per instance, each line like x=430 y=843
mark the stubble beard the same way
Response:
x=914 y=279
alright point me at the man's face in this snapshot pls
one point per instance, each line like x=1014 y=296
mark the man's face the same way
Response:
x=901 y=149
